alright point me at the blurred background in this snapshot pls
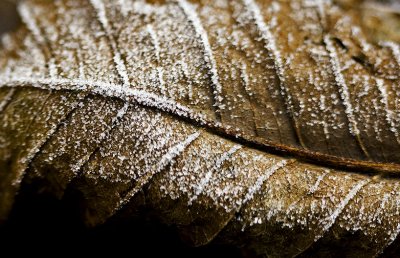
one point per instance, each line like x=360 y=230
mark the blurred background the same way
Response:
x=9 y=18
x=380 y=18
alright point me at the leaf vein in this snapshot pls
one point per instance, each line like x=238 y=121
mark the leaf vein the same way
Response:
x=270 y=44
x=166 y=160
x=194 y=19
x=167 y=105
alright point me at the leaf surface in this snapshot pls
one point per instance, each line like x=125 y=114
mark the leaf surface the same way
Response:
x=272 y=125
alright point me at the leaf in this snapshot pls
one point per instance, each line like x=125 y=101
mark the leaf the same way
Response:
x=9 y=17
x=270 y=125
x=379 y=18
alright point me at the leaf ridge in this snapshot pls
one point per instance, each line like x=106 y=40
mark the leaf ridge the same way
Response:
x=389 y=113
x=35 y=151
x=263 y=178
x=165 y=161
x=98 y=5
x=167 y=105
x=207 y=177
x=344 y=93
x=330 y=220
x=268 y=37
x=192 y=16
x=395 y=49
x=7 y=99
x=37 y=33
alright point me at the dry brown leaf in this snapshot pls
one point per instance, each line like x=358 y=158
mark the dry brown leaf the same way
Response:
x=272 y=125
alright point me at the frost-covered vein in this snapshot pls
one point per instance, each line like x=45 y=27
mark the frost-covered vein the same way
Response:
x=330 y=220
x=262 y=179
x=76 y=168
x=107 y=90
x=166 y=160
x=185 y=70
x=320 y=5
x=344 y=91
x=245 y=79
x=321 y=9
x=124 y=7
x=98 y=5
x=206 y=179
x=157 y=50
x=324 y=125
x=273 y=50
x=26 y=161
x=267 y=36
x=160 y=75
x=165 y=104
x=191 y=14
x=82 y=74
x=318 y=182
x=390 y=116
x=53 y=73
x=343 y=88
x=311 y=191
x=394 y=234
x=395 y=50
x=154 y=40
x=4 y=102
x=34 y=28
x=29 y=20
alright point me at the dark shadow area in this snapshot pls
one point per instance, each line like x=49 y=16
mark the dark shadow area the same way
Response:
x=39 y=225
x=9 y=19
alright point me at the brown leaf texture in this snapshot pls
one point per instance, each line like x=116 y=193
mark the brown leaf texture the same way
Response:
x=272 y=125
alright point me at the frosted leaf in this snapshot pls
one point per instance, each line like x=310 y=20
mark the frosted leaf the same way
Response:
x=272 y=125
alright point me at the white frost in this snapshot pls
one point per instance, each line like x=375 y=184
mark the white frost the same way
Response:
x=390 y=117
x=166 y=160
x=154 y=39
x=107 y=90
x=190 y=12
x=176 y=151
x=329 y=221
x=6 y=99
x=395 y=50
x=245 y=78
x=206 y=179
x=267 y=36
x=120 y=66
x=157 y=50
x=53 y=68
x=319 y=180
x=260 y=181
x=29 y=20
x=343 y=88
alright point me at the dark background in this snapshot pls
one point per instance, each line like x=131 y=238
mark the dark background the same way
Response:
x=41 y=225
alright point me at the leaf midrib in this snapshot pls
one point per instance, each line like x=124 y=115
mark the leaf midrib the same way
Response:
x=184 y=113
